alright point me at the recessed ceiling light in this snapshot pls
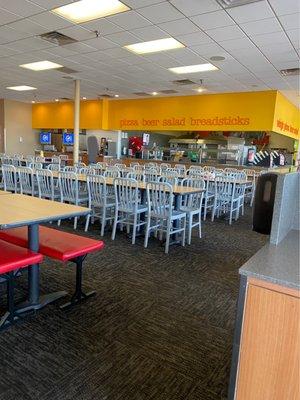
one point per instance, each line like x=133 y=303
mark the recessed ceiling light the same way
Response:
x=56 y=99
x=116 y=95
x=32 y=101
x=154 y=46
x=190 y=69
x=217 y=58
x=41 y=65
x=87 y=10
x=84 y=98
x=154 y=93
x=21 y=88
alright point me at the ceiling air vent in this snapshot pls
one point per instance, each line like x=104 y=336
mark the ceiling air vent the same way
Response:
x=105 y=95
x=57 y=38
x=235 y=3
x=66 y=70
x=141 y=94
x=290 y=72
x=65 y=98
x=183 y=82
x=168 y=91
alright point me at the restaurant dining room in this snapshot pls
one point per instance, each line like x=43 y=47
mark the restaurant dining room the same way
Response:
x=149 y=200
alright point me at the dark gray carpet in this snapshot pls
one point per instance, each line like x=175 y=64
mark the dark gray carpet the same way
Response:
x=160 y=327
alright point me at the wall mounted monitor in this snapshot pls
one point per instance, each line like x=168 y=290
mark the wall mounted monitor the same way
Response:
x=45 y=137
x=68 y=138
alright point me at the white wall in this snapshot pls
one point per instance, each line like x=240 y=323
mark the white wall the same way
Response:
x=18 y=123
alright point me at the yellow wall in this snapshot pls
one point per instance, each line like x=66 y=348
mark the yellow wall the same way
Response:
x=61 y=115
x=286 y=118
x=224 y=112
x=248 y=111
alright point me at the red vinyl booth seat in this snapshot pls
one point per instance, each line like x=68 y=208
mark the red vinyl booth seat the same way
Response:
x=56 y=244
x=14 y=257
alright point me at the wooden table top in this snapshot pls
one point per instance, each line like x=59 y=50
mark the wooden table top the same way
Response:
x=177 y=189
x=4 y=192
x=19 y=210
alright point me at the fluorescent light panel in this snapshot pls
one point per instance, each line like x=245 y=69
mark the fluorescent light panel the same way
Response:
x=41 y=65
x=190 y=69
x=87 y=10
x=154 y=46
x=21 y=88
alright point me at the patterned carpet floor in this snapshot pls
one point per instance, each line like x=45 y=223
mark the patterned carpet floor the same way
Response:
x=160 y=327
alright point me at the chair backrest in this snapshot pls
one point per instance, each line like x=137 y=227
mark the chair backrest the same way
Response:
x=159 y=199
x=194 y=171
x=112 y=172
x=45 y=183
x=9 y=175
x=53 y=167
x=125 y=171
x=229 y=170
x=193 y=200
x=40 y=159
x=70 y=168
x=224 y=186
x=139 y=167
x=120 y=165
x=137 y=175
x=80 y=165
x=102 y=164
x=86 y=171
x=209 y=168
x=168 y=178
x=69 y=185
x=126 y=194
x=164 y=166
x=26 y=180
x=134 y=163
x=151 y=175
x=34 y=165
x=97 y=192
x=181 y=168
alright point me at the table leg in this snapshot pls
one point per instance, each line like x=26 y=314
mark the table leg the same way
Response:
x=35 y=301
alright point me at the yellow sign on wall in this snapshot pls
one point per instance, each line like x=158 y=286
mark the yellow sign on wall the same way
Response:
x=217 y=112
x=247 y=111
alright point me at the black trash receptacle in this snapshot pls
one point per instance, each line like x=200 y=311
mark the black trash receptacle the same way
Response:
x=264 y=203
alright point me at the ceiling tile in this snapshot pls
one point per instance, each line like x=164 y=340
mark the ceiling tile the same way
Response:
x=123 y=38
x=294 y=36
x=50 y=4
x=78 y=33
x=141 y=3
x=261 y=27
x=213 y=20
x=195 y=7
x=129 y=20
x=179 y=27
x=236 y=44
x=100 y=43
x=194 y=39
x=26 y=26
x=251 y=12
x=162 y=12
x=149 y=33
x=9 y=35
x=102 y=25
x=270 y=38
x=225 y=33
x=50 y=21
x=21 y=7
x=291 y=21
x=283 y=7
x=6 y=17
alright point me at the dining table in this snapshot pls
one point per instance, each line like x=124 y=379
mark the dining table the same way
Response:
x=18 y=210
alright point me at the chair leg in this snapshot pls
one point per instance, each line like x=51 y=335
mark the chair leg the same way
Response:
x=205 y=209
x=183 y=232
x=78 y=295
x=113 y=236
x=147 y=231
x=134 y=228
x=200 y=226
x=168 y=237
x=190 y=223
x=87 y=222
x=75 y=222
x=103 y=221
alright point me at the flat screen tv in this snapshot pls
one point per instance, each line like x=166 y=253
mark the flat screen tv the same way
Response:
x=68 y=138
x=45 y=137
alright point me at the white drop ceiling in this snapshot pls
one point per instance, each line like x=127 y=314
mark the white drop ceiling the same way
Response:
x=257 y=40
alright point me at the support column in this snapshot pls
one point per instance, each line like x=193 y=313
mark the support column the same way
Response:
x=76 y=121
